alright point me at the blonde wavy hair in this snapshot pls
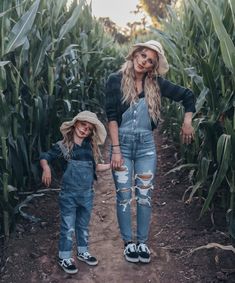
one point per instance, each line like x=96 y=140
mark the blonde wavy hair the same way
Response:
x=68 y=142
x=151 y=87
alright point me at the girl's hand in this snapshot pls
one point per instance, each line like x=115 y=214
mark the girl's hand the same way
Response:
x=187 y=133
x=46 y=176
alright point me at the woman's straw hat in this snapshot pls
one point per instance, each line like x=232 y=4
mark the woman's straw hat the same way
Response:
x=90 y=117
x=163 y=66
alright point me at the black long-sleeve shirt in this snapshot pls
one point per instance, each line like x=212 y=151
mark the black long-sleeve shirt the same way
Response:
x=115 y=107
x=81 y=152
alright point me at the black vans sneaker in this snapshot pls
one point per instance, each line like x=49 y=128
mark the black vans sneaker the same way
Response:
x=130 y=252
x=144 y=253
x=87 y=258
x=68 y=265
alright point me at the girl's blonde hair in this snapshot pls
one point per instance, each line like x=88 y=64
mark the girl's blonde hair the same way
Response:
x=68 y=141
x=151 y=87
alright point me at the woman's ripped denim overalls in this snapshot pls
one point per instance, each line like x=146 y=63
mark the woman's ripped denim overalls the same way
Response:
x=139 y=154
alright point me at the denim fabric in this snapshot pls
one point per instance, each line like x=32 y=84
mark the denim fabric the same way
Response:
x=139 y=153
x=76 y=202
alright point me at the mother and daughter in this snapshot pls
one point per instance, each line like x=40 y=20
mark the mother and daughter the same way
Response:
x=133 y=102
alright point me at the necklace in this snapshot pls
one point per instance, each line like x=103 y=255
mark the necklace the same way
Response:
x=138 y=86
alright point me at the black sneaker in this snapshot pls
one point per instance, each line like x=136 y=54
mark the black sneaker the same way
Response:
x=144 y=253
x=130 y=252
x=87 y=258
x=68 y=265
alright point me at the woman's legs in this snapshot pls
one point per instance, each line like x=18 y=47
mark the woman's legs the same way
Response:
x=145 y=169
x=123 y=183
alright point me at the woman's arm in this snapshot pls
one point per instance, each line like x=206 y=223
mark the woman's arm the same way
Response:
x=186 y=96
x=116 y=160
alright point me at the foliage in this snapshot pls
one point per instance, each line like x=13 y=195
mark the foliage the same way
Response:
x=199 y=44
x=156 y=8
x=53 y=63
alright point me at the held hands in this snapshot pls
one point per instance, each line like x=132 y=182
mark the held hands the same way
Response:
x=100 y=167
x=116 y=160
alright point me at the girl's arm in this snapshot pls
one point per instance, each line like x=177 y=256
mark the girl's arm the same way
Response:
x=102 y=167
x=46 y=173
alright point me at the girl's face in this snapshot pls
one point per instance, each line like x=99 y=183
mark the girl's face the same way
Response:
x=83 y=129
x=145 y=60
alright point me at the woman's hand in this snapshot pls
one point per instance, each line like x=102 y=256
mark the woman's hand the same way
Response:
x=187 y=130
x=116 y=160
x=187 y=133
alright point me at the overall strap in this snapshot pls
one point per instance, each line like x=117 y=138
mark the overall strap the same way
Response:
x=64 y=150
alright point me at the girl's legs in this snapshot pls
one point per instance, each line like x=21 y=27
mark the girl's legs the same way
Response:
x=67 y=225
x=83 y=216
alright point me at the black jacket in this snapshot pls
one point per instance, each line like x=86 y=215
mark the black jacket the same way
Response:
x=115 y=107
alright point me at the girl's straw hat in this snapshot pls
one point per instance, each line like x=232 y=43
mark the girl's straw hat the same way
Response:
x=163 y=66
x=90 y=117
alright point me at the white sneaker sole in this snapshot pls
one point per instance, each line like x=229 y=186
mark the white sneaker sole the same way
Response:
x=131 y=259
x=69 y=271
x=144 y=260
x=87 y=262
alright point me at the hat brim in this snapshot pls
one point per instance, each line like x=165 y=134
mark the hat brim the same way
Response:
x=100 y=129
x=163 y=66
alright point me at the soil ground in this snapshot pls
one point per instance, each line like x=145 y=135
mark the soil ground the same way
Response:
x=31 y=253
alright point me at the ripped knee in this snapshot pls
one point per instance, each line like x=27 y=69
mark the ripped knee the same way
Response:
x=144 y=180
x=121 y=174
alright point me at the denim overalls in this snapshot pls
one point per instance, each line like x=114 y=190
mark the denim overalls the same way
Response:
x=139 y=153
x=76 y=202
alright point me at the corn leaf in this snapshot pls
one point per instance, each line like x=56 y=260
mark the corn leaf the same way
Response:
x=22 y=28
x=226 y=43
x=223 y=158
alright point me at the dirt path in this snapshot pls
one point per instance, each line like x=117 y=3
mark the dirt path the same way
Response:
x=31 y=254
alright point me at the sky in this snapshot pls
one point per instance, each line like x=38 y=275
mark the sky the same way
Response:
x=119 y=11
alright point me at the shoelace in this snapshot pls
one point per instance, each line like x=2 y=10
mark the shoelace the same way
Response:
x=131 y=247
x=143 y=247
x=67 y=261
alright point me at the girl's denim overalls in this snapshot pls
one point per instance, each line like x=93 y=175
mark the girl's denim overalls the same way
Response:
x=76 y=202
x=139 y=153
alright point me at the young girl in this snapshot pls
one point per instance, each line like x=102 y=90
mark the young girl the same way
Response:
x=80 y=153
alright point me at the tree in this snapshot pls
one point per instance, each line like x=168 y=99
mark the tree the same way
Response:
x=155 y=8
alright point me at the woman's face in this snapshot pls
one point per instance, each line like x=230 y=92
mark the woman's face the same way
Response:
x=145 y=60
x=83 y=129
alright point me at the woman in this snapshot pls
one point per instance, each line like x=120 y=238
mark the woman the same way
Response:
x=133 y=101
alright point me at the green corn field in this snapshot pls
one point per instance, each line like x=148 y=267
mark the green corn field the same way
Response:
x=55 y=61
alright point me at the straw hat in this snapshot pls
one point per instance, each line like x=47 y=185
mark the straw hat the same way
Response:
x=88 y=117
x=156 y=46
